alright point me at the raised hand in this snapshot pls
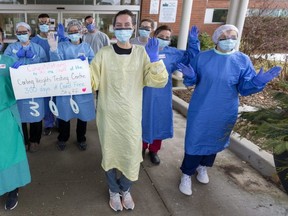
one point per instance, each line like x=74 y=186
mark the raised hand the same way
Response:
x=60 y=30
x=187 y=71
x=152 y=49
x=52 y=41
x=194 y=32
x=262 y=78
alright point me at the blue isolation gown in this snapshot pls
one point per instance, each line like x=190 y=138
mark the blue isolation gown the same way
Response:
x=157 y=115
x=67 y=50
x=23 y=105
x=14 y=168
x=213 y=107
x=43 y=42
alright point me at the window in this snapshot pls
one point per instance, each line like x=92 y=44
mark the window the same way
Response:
x=11 y=1
x=213 y=15
x=63 y=2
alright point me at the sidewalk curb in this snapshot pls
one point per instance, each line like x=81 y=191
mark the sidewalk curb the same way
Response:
x=247 y=151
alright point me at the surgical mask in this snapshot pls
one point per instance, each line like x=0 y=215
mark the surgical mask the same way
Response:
x=144 y=33
x=227 y=45
x=123 y=35
x=91 y=27
x=74 y=37
x=44 y=28
x=163 y=43
x=23 y=38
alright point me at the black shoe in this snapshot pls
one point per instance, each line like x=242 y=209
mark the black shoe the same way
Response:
x=154 y=158
x=47 y=131
x=143 y=153
x=82 y=146
x=12 y=200
x=61 y=145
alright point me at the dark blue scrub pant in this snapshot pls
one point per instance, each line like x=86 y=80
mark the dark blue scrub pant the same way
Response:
x=191 y=162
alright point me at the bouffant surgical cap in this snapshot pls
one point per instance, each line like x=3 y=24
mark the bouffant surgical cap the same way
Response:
x=74 y=23
x=24 y=25
x=221 y=29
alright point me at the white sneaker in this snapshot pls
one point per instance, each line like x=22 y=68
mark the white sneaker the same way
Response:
x=115 y=201
x=127 y=200
x=202 y=175
x=186 y=185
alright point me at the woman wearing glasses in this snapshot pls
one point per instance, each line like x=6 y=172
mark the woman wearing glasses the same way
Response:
x=27 y=52
x=72 y=49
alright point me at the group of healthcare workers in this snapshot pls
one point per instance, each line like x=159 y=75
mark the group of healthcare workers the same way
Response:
x=131 y=116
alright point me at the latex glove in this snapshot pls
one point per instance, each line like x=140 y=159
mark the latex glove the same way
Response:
x=17 y=64
x=262 y=78
x=187 y=71
x=60 y=30
x=29 y=53
x=152 y=49
x=21 y=53
x=193 y=34
x=52 y=41
x=82 y=57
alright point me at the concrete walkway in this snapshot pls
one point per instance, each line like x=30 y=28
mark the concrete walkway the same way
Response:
x=73 y=183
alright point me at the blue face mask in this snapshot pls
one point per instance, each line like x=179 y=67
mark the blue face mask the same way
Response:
x=23 y=38
x=143 y=33
x=74 y=37
x=123 y=35
x=44 y=28
x=227 y=45
x=163 y=43
x=91 y=27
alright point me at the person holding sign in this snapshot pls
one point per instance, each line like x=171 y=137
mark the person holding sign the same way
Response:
x=41 y=39
x=75 y=106
x=119 y=72
x=31 y=110
x=14 y=168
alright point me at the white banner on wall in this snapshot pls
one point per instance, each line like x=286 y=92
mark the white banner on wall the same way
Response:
x=168 y=11
x=59 y=78
x=154 y=7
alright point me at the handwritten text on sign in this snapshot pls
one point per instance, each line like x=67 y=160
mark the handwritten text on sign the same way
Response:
x=70 y=77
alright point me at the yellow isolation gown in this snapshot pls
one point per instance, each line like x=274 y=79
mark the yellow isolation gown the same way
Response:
x=119 y=80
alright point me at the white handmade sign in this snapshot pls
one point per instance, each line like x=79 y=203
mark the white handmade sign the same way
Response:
x=59 y=78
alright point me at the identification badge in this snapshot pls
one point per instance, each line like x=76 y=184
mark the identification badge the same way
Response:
x=162 y=56
x=2 y=66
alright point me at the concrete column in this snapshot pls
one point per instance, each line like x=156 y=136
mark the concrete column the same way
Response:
x=184 y=25
x=243 y=6
x=232 y=12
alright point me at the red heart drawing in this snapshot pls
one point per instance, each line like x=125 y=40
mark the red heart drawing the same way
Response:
x=83 y=89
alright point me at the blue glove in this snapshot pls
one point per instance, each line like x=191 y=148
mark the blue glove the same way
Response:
x=193 y=34
x=60 y=31
x=21 y=53
x=82 y=57
x=187 y=71
x=17 y=64
x=29 y=53
x=262 y=78
x=152 y=49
